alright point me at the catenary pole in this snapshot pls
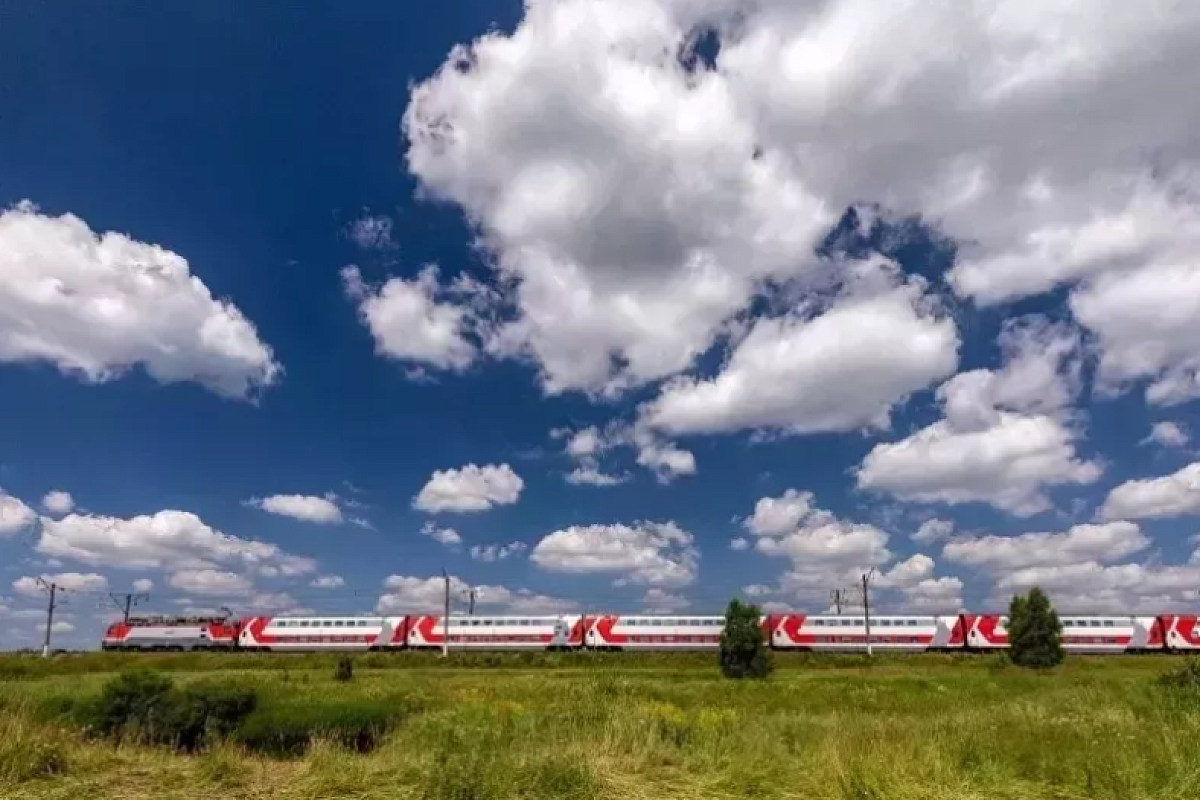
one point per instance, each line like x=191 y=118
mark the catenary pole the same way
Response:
x=446 y=617
x=52 y=590
x=866 y=597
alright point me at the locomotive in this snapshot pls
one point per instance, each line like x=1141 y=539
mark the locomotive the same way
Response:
x=904 y=633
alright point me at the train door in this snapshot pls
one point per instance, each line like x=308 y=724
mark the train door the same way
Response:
x=562 y=635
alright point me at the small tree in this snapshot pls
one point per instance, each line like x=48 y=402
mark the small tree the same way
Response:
x=743 y=653
x=1034 y=632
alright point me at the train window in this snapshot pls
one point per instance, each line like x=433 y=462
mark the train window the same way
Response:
x=885 y=623
x=1108 y=623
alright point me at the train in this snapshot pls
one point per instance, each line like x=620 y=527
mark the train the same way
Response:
x=902 y=633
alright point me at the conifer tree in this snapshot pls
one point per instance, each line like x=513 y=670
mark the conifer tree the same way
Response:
x=1034 y=632
x=743 y=652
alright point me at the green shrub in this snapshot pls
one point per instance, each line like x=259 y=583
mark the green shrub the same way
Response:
x=147 y=708
x=344 y=671
x=1034 y=632
x=1184 y=679
x=288 y=729
x=743 y=653
x=132 y=706
x=276 y=730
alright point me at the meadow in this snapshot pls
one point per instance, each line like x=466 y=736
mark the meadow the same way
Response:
x=614 y=726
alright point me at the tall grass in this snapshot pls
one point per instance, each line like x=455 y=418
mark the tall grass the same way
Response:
x=934 y=729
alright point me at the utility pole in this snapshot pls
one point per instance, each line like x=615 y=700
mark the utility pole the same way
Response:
x=471 y=602
x=52 y=589
x=866 y=597
x=130 y=600
x=446 y=618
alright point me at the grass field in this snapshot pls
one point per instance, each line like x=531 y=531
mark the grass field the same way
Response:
x=628 y=727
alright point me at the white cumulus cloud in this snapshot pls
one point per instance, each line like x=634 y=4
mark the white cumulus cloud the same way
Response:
x=660 y=601
x=647 y=553
x=493 y=552
x=169 y=540
x=1101 y=543
x=97 y=305
x=306 y=508
x=1156 y=498
x=71 y=581
x=637 y=204
x=58 y=502
x=1168 y=434
x=472 y=488
x=1005 y=436
x=410 y=323
x=216 y=583
x=813 y=372
x=445 y=536
x=15 y=516
x=933 y=530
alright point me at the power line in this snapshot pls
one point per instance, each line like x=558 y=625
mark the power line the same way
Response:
x=130 y=599
x=840 y=599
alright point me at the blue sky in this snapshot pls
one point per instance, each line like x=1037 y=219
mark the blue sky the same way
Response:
x=645 y=277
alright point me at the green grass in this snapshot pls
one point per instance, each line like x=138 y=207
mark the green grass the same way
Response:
x=631 y=727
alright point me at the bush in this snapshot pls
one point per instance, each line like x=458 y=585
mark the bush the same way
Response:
x=1034 y=632
x=147 y=708
x=133 y=705
x=288 y=729
x=344 y=671
x=1184 y=679
x=743 y=653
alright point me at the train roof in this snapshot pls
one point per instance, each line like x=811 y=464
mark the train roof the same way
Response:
x=168 y=620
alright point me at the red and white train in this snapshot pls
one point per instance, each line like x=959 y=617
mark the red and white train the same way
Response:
x=1094 y=634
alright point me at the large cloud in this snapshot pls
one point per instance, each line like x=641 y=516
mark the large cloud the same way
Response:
x=1103 y=543
x=814 y=372
x=169 y=540
x=1005 y=436
x=647 y=553
x=96 y=306
x=637 y=198
x=1156 y=498
x=1084 y=569
x=828 y=553
x=472 y=488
